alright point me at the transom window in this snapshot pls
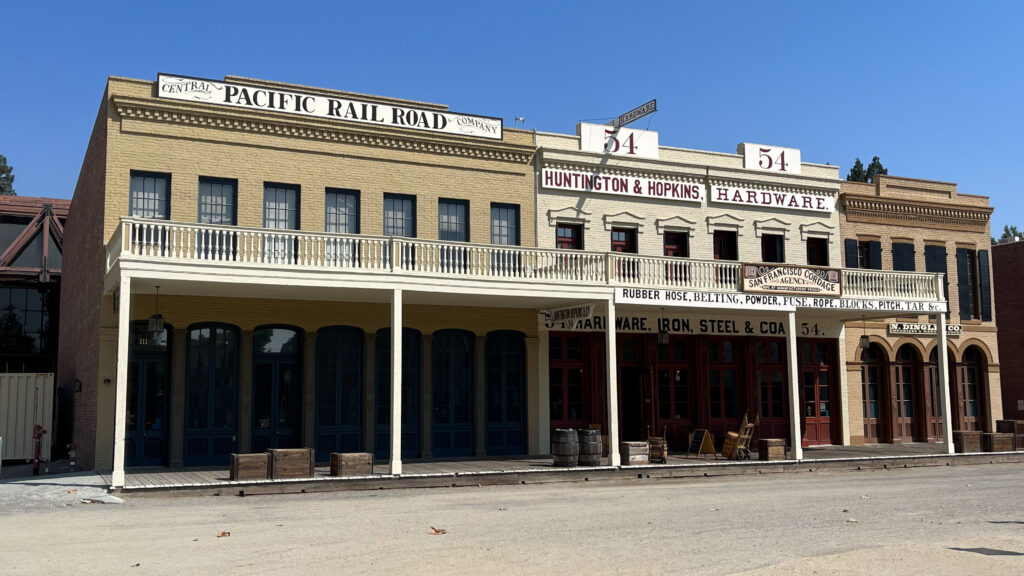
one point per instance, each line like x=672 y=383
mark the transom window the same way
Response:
x=342 y=211
x=217 y=201
x=280 y=206
x=399 y=215
x=150 y=195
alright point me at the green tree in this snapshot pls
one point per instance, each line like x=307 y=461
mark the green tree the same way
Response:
x=875 y=169
x=6 y=178
x=1009 y=233
x=857 y=173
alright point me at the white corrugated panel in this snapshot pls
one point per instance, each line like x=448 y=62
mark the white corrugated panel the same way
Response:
x=25 y=400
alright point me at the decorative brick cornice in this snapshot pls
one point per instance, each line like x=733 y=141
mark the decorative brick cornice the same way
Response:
x=225 y=120
x=921 y=214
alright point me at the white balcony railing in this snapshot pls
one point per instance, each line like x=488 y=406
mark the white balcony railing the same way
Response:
x=183 y=242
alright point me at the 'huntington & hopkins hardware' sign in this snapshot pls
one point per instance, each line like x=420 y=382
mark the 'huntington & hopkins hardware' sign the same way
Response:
x=320 y=106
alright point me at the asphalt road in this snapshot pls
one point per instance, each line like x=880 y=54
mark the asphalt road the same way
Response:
x=948 y=520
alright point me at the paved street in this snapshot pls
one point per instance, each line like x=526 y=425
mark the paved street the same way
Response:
x=949 y=520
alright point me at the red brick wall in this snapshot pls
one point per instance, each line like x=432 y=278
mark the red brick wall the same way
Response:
x=82 y=291
x=1008 y=285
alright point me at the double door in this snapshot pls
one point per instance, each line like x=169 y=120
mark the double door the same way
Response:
x=277 y=404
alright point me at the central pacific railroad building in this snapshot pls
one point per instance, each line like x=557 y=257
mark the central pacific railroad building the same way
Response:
x=253 y=265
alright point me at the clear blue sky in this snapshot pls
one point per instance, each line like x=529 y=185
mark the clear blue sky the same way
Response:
x=933 y=88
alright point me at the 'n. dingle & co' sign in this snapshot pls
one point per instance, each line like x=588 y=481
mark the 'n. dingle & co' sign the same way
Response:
x=798 y=280
x=320 y=106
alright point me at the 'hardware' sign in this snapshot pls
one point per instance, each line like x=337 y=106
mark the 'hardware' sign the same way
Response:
x=348 y=109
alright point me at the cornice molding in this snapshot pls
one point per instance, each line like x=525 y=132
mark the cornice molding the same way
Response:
x=869 y=209
x=226 y=120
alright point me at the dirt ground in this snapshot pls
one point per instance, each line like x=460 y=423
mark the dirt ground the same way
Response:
x=948 y=520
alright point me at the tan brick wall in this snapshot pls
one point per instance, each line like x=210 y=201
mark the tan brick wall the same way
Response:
x=920 y=232
x=82 y=288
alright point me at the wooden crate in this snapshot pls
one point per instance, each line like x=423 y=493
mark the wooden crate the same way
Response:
x=291 y=463
x=966 y=441
x=249 y=466
x=1019 y=445
x=351 y=464
x=771 y=449
x=634 y=453
x=997 y=442
x=1007 y=427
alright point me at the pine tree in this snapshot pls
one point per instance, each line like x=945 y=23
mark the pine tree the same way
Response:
x=857 y=173
x=6 y=178
x=875 y=169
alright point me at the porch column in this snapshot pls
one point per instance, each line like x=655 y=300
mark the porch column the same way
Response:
x=794 y=387
x=613 y=388
x=396 y=382
x=942 y=358
x=121 y=393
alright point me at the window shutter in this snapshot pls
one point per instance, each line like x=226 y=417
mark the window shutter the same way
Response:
x=985 y=292
x=875 y=253
x=851 y=252
x=903 y=257
x=935 y=261
x=962 y=284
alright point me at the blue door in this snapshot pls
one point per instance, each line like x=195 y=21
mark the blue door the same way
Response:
x=211 y=392
x=504 y=355
x=410 y=394
x=339 y=391
x=452 y=427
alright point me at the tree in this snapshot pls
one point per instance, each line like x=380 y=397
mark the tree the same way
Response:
x=6 y=178
x=857 y=173
x=1009 y=233
x=875 y=169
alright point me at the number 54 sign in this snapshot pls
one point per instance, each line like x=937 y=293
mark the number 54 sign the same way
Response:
x=604 y=139
x=770 y=158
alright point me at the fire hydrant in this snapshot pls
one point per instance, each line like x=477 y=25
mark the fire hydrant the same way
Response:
x=37 y=437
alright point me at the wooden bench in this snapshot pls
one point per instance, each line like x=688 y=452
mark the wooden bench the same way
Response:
x=351 y=464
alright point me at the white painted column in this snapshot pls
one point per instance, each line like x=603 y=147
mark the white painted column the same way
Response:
x=121 y=392
x=396 y=382
x=793 y=371
x=614 y=459
x=942 y=357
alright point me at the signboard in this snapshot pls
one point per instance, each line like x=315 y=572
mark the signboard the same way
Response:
x=773 y=199
x=636 y=114
x=616 y=184
x=601 y=139
x=770 y=158
x=570 y=316
x=923 y=329
x=700 y=443
x=797 y=280
x=317 y=105
x=708 y=324
x=752 y=301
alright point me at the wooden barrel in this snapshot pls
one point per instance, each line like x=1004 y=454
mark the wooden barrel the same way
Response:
x=565 y=447
x=590 y=447
x=729 y=446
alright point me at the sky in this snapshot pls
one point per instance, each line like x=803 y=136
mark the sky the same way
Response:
x=934 y=88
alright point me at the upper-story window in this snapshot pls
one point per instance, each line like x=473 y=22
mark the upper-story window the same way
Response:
x=677 y=244
x=868 y=256
x=624 y=240
x=151 y=195
x=973 y=284
x=773 y=248
x=453 y=220
x=281 y=206
x=726 y=245
x=341 y=211
x=817 y=252
x=217 y=201
x=903 y=256
x=399 y=215
x=505 y=224
x=569 y=237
